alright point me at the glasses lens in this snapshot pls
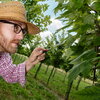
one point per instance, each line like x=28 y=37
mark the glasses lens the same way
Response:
x=17 y=28
x=24 y=31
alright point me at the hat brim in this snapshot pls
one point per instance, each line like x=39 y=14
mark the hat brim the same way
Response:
x=32 y=29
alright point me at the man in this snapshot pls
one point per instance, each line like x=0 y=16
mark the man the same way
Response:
x=13 y=26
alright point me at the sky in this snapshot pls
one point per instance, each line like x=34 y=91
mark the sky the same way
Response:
x=52 y=4
x=56 y=24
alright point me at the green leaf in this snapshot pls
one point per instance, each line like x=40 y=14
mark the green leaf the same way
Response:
x=77 y=3
x=96 y=6
x=96 y=41
x=79 y=68
x=86 y=55
x=89 y=93
x=68 y=53
x=98 y=65
x=88 y=19
x=96 y=58
x=70 y=40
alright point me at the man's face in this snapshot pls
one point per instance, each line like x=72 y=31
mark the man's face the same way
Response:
x=9 y=38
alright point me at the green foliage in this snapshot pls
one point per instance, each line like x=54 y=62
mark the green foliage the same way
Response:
x=57 y=45
x=96 y=6
x=35 y=12
x=89 y=54
x=82 y=17
x=78 y=13
x=82 y=65
x=18 y=58
x=89 y=93
x=88 y=19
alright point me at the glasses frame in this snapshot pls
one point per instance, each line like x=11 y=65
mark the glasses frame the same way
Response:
x=24 y=30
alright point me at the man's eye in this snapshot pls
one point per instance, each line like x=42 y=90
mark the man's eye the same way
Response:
x=16 y=28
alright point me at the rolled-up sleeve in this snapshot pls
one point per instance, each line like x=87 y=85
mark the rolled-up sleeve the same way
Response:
x=10 y=72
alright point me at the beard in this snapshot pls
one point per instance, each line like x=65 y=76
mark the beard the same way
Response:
x=8 y=46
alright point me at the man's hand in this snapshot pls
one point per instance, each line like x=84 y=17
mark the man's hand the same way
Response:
x=36 y=56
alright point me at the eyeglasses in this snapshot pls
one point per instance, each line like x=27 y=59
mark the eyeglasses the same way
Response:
x=17 y=27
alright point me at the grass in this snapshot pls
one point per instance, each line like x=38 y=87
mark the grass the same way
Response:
x=37 y=89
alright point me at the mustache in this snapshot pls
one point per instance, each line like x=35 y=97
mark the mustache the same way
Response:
x=16 y=41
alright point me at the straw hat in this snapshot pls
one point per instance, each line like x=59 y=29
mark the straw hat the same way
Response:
x=15 y=10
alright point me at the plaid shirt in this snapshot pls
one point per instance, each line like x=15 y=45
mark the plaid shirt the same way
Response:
x=10 y=72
